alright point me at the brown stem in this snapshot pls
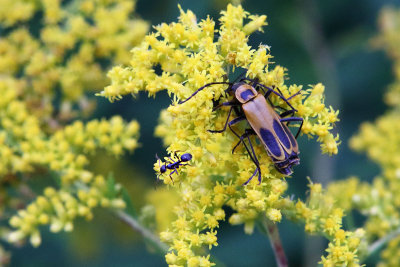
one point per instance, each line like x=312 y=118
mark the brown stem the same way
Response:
x=276 y=244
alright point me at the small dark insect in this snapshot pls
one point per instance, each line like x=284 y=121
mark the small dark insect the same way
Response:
x=173 y=163
x=264 y=120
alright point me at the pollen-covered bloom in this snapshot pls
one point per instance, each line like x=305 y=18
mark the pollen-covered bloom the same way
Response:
x=379 y=201
x=181 y=57
x=322 y=215
x=52 y=53
x=28 y=152
x=73 y=44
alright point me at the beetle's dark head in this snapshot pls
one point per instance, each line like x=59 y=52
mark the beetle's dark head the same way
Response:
x=244 y=92
x=186 y=157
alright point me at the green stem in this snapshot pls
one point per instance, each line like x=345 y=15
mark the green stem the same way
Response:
x=148 y=235
x=381 y=242
x=273 y=233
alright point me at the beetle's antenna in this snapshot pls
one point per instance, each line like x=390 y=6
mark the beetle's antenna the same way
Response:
x=201 y=88
x=278 y=94
x=298 y=92
x=158 y=159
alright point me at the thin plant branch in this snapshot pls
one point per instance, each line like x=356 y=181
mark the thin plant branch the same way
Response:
x=135 y=225
x=273 y=233
x=381 y=242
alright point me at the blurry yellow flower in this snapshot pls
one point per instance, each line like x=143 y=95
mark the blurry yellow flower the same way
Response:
x=69 y=54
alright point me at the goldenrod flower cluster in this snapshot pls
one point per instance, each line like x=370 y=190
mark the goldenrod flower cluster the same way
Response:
x=52 y=54
x=181 y=57
x=379 y=200
x=380 y=140
x=67 y=54
x=323 y=216
x=59 y=208
x=26 y=149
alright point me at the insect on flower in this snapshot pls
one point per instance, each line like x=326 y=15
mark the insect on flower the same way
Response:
x=173 y=163
x=265 y=122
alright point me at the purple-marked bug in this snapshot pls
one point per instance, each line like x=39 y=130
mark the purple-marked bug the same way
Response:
x=265 y=122
x=173 y=163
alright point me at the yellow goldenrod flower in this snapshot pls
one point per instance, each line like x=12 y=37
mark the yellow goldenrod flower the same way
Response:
x=70 y=53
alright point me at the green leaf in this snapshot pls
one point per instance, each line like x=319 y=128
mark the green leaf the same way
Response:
x=130 y=208
x=217 y=178
x=111 y=192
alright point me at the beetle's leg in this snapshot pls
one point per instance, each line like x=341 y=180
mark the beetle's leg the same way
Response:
x=287 y=113
x=274 y=106
x=279 y=90
x=236 y=120
x=238 y=136
x=248 y=132
x=233 y=122
x=226 y=104
x=251 y=177
x=170 y=160
x=170 y=175
x=256 y=161
x=266 y=95
x=294 y=119
x=227 y=120
x=176 y=155
x=201 y=88
x=255 y=81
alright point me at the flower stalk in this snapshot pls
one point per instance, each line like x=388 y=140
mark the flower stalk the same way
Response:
x=148 y=235
x=271 y=229
x=378 y=244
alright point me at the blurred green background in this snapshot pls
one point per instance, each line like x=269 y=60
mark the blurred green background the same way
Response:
x=317 y=41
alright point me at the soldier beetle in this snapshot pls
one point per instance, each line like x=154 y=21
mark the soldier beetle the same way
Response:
x=265 y=122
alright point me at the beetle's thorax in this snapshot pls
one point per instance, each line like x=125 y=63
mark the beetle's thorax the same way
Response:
x=245 y=92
